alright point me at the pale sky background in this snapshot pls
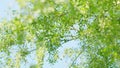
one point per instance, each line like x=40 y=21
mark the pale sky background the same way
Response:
x=6 y=13
x=7 y=8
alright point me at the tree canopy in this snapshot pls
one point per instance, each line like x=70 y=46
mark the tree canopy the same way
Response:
x=49 y=23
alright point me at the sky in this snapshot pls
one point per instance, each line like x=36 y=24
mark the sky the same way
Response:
x=7 y=8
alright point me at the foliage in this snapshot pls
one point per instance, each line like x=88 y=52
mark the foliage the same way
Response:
x=48 y=24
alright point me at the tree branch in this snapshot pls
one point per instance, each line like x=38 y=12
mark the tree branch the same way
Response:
x=76 y=58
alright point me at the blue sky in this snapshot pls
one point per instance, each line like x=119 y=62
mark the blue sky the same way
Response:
x=7 y=8
x=6 y=13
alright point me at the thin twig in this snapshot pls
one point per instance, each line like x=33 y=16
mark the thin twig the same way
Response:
x=76 y=58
